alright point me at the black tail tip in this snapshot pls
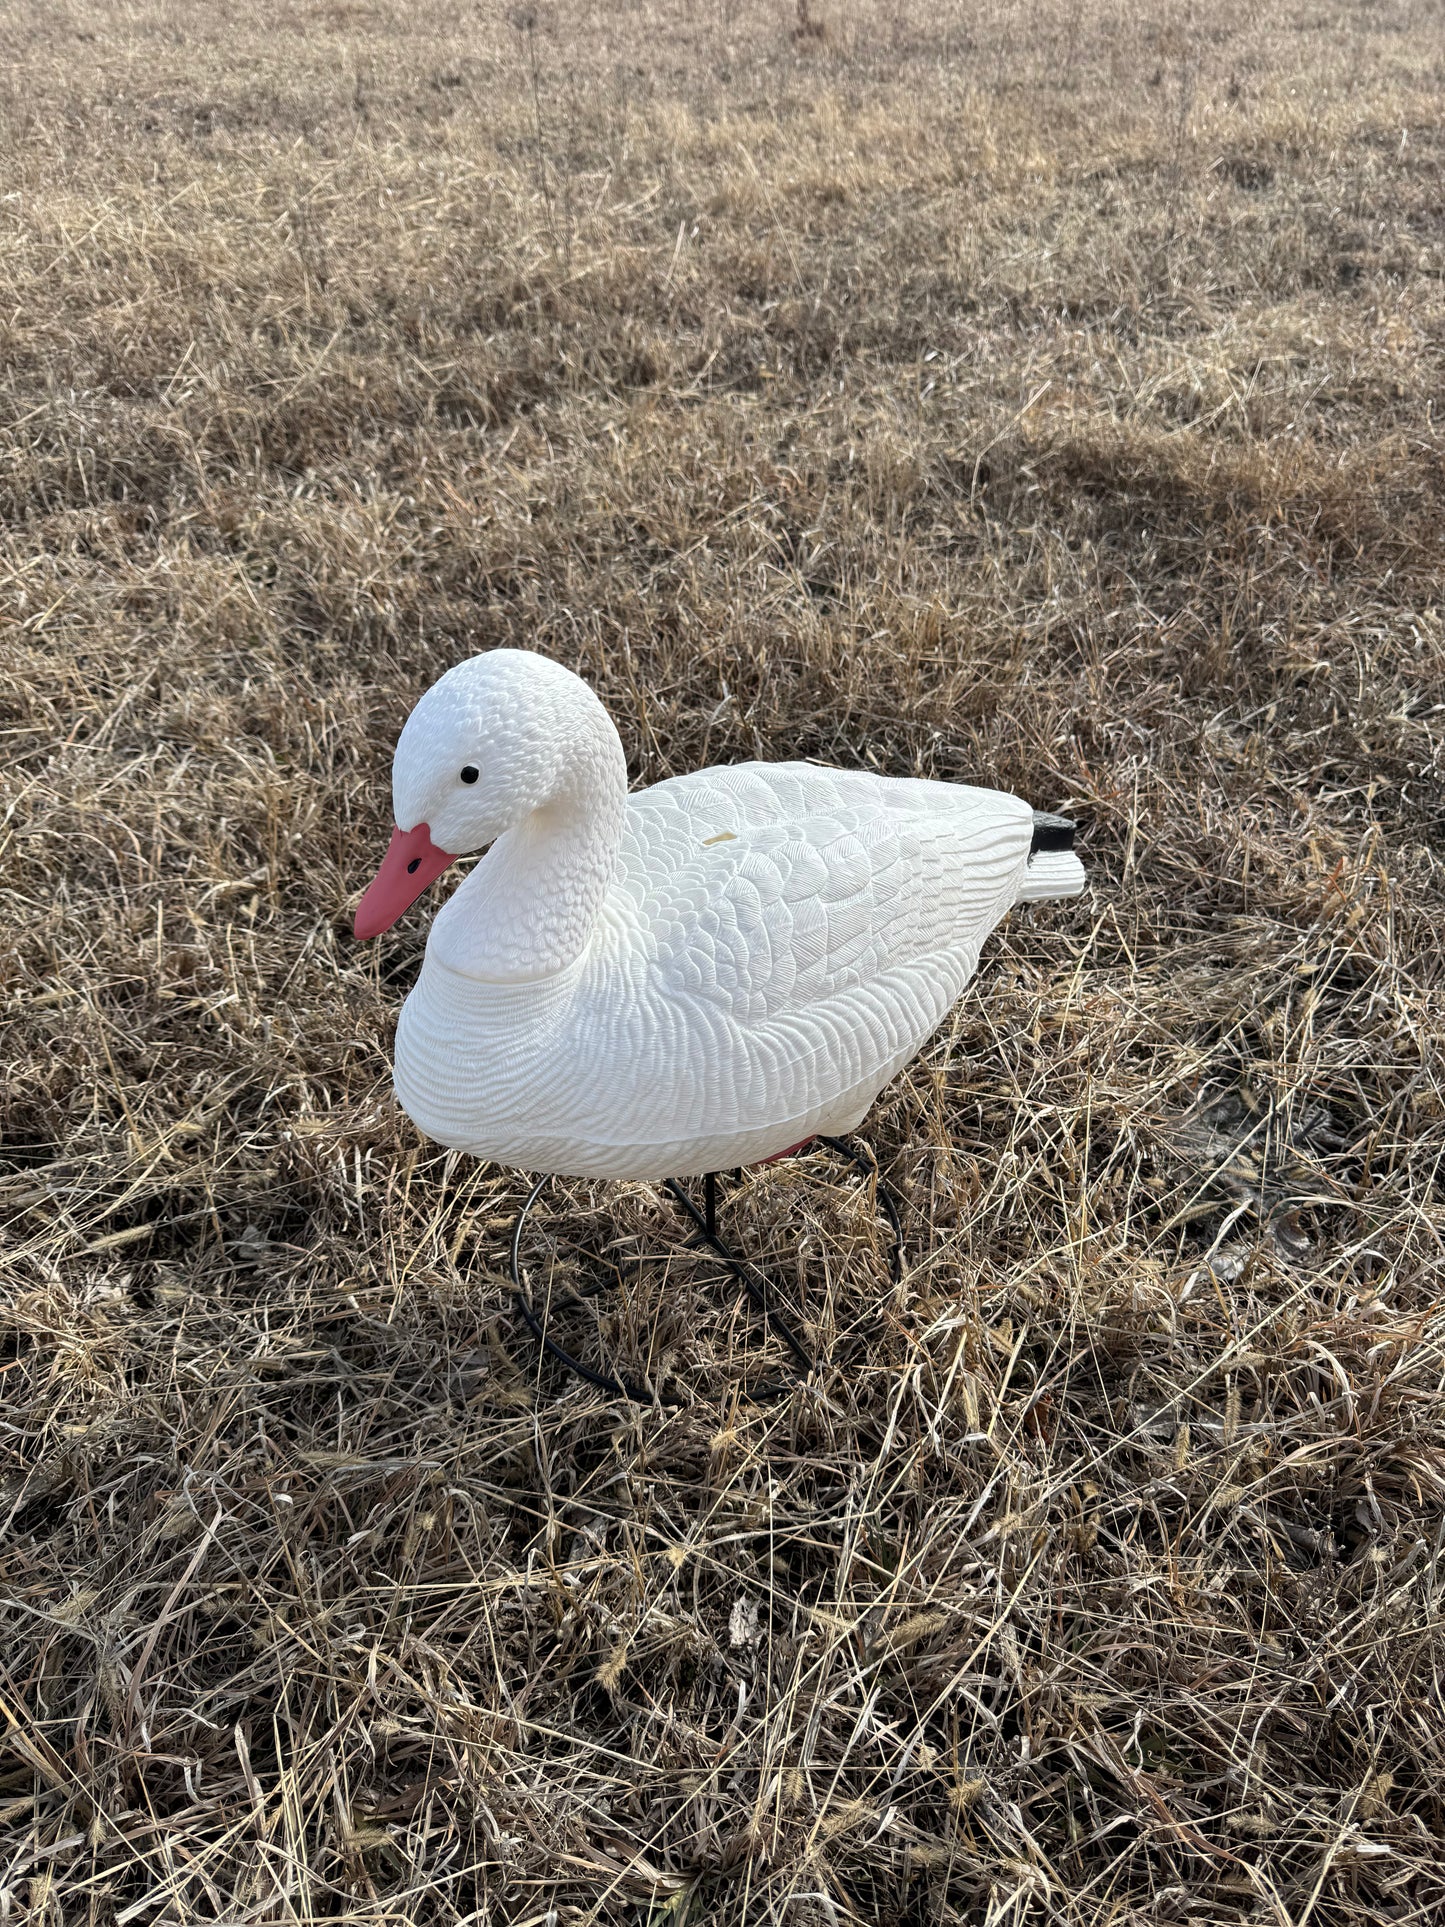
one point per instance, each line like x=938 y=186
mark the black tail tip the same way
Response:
x=1051 y=833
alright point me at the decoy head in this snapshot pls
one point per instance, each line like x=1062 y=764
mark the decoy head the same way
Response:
x=485 y=747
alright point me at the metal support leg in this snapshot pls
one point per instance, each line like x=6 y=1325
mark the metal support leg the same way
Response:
x=619 y=1387
x=705 y=1229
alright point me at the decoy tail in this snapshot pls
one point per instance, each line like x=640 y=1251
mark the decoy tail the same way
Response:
x=1053 y=869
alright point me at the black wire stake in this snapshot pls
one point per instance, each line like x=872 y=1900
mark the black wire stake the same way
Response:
x=706 y=1234
x=618 y=1387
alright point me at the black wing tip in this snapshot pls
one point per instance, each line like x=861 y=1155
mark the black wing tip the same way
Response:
x=1051 y=833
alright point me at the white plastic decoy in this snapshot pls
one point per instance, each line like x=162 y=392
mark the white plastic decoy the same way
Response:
x=700 y=975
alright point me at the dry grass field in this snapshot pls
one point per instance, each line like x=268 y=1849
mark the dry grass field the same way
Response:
x=1036 y=392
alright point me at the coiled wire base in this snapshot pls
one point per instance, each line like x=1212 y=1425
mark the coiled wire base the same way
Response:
x=705 y=1234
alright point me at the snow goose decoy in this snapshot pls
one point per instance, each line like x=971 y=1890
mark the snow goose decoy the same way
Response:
x=682 y=980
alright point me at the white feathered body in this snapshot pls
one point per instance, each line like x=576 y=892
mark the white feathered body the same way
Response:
x=773 y=943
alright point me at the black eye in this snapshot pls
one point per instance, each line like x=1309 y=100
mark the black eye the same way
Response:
x=413 y=866
x=470 y=773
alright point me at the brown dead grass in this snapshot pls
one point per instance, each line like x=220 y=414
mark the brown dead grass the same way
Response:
x=1045 y=395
